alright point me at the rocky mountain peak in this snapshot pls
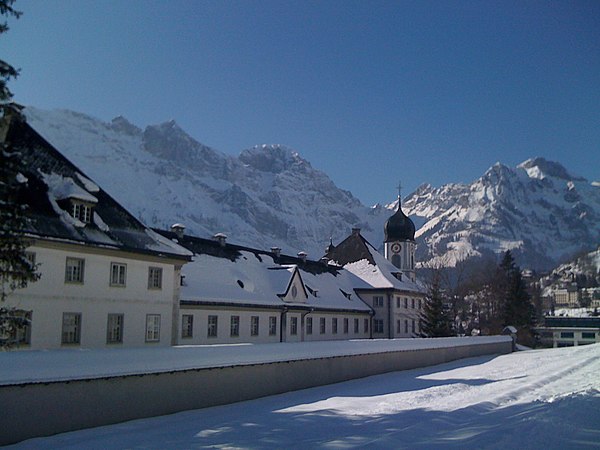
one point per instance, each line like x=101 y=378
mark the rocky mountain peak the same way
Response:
x=541 y=168
x=169 y=141
x=121 y=125
x=272 y=158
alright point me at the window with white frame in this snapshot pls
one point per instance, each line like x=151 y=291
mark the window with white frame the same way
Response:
x=378 y=301
x=254 y=325
x=413 y=326
x=406 y=326
x=398 y=326
x=118 y=274
x=356 y=325
x=71 y=328
x=187 y=325
x=309 y=325
x=322 y=325
x=114 y=329
x=397 y=302
x=81 y=211
x=272 y=325
x=74 y=270
x=346 y=325
x=155 y=278
x=235 y=326
x=333 y=325
x=378 y=326
x=152 y=327
x=366 y=325
x=405 y=302
x=294 y=326
x=212 y=327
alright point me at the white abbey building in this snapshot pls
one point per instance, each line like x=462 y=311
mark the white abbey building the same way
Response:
x=107 y=280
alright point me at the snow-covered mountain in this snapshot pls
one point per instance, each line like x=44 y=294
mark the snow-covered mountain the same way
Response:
x=267 y=196
x=270 y=196
x=585 y=269
x=538 y=210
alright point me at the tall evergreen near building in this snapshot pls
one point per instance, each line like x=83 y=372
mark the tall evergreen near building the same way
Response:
x=16 y=270
x=434 y=318
x=517 y=309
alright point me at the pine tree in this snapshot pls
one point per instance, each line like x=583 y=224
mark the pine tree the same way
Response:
x=434 y=318
x=16 y=270
x=6 y=70
x=517 y=309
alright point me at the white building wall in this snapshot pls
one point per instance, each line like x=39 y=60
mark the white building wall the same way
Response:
x=200 y=325
x=95 y=298
x=406 y=309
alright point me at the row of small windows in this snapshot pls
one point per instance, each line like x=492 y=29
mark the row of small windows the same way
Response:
x=378 y=302
x=378 y=326
x=187 y=325
x=72 y=323
x=75 y=273
x=571 y=335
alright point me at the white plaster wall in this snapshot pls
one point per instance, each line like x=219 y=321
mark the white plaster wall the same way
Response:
x=200 y=333
x=51 y=296
x=405 y=313
x=317 y=336
x=200 y=328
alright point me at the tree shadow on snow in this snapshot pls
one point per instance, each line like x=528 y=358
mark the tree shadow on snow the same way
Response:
x=280 y=422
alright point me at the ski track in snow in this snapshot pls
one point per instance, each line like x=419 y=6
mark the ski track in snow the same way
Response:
x=547 y=399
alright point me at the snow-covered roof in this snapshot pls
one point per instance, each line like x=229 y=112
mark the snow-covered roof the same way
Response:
x=50 y=184
x=359 y=257
x=232 y=274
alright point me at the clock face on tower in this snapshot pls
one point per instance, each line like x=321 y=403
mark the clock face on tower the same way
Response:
x=396 y=247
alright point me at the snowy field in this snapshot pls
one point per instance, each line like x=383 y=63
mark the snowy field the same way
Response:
x=546 y=399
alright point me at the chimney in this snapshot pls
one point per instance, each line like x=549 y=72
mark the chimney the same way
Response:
x=302 y=256
x=276 y=251
x=355 y=231
x=324 y=260
x=178 y=229
x=221 y=238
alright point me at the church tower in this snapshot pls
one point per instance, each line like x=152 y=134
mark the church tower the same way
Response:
x=399 y=242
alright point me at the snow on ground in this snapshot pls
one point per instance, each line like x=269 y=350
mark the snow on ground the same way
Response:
x=547 y=399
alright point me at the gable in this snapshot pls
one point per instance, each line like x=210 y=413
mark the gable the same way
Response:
x=296 y=291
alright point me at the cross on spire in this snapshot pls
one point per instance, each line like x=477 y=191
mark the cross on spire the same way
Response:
x=399 y=192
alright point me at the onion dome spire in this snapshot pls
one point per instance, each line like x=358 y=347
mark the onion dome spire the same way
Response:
x=399 y=227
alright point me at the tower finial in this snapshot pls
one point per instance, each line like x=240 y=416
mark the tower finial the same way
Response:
x=399 y=193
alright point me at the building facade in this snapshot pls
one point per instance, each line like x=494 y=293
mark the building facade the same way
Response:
x=106 y=280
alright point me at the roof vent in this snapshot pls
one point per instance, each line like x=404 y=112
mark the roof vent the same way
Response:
x=178 y=229
x=221 y=238
x=302 y=256
x=276 y=251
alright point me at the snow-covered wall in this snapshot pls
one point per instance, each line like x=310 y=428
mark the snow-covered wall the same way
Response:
x=45 y=408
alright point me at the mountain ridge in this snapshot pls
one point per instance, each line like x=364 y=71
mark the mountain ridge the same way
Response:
x=269 y=195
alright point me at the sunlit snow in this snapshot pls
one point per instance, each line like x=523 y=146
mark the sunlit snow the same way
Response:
x=546 y=399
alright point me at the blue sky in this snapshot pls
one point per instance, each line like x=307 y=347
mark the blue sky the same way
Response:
x=371 y=92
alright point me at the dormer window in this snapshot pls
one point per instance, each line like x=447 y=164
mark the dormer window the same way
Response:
x=81 y=211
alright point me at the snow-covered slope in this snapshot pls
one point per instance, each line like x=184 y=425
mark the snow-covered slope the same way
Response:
x=537 y=210
x=267 y=196
x=585 y=270
x=538 y=399
x=270 y=196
